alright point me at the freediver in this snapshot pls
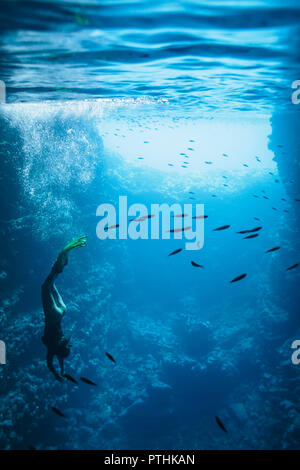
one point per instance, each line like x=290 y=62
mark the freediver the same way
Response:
x=54 y=308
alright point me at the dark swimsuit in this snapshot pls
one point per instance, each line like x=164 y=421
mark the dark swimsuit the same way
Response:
x=53 y=334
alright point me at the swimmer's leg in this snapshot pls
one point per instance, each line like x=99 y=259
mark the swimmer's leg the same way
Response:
x=58 y=299
x=50 y=295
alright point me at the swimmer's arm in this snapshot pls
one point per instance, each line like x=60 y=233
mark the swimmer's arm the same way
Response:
x=62 y=259
x=50 y=358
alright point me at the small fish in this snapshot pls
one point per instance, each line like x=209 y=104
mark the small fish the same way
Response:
x=273 y=249
x=256 y=229
x=196 y=265
x=208 y=163
x=199 y=216
x=191 y=192
x=258 y=159
x=265 y=197
x=141 y=219
x=175 y=252
x=111 y=227
x=238 y=278
x=58 y=412
x=256 y=218
x=224 y=227
x=110 y=357
x=220 y=424
x=70 y=378
x=180 y=215
x=170 y=164
x=254 y=235
x=292 y=267
x=173 y=230
x=244 y=164
x=88 y=381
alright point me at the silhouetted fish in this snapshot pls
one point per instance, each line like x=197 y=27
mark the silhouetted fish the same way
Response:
x=256 y=218
x=111 y=227
x=273 y=249
x=142 y=218
x=175 y=252
x=173 y=230
x=238 y=278
x=88 y=381
x=191 y=192
x=110 y=357
x=254 y=235
x=179 y=215
x=196 y=265
x=58 y=412
x=224 y=227
x=199 y=216
x=256 y=229
x=70 y=378
x=220 y=424
x=292 y=267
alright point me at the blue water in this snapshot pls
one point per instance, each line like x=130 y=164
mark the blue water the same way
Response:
x=153 y=101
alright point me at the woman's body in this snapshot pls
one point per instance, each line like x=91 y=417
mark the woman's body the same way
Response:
x=54 y=308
